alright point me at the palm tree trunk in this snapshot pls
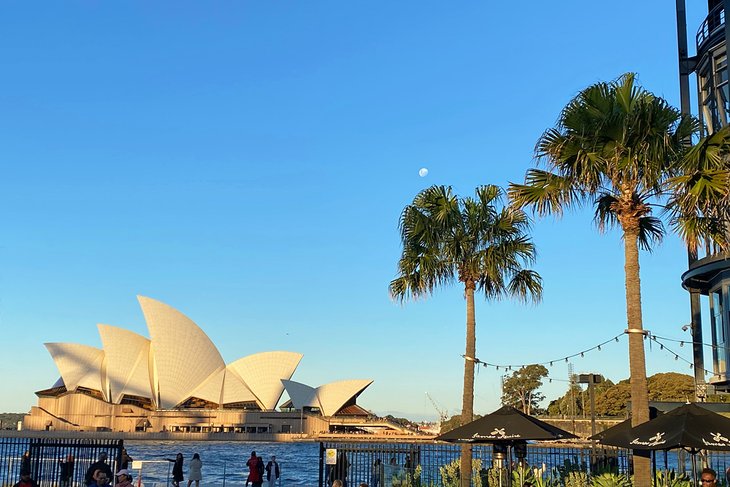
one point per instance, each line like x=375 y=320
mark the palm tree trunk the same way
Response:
x=467 y=403
x=637 y=361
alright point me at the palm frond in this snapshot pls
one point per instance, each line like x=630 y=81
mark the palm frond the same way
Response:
x=605 y=215
x=651 y=231
x=544 y=192
x=526 y=285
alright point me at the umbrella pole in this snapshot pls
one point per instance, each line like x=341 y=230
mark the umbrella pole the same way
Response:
x=509 y=466
x=694 y=466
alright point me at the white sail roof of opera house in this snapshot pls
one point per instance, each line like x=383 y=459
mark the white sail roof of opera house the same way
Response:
x=127 y=363
x=179 y=362
x=329 y=398
x=262 y=373
x=177 y=342
x=79 y=365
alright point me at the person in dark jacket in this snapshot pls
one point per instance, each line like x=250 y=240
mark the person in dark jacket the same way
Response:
x=67 y=471
x=177 y=470
x=124 y=460
x=339 y=472
x=98 y=465
x=272 y=471
x=25 y=463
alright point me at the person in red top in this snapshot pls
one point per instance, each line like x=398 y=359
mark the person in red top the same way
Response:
x=26 y=481
x=255 y=476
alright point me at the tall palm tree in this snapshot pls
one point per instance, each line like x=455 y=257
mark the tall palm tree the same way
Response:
x=621 y=148
x=476 y=241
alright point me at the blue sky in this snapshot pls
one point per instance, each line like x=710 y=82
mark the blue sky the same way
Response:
x=247 y=162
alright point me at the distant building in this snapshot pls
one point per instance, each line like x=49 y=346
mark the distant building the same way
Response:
x=177 y=381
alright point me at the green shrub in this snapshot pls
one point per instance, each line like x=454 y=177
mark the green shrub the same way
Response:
x=669 y=478
x=610 y=480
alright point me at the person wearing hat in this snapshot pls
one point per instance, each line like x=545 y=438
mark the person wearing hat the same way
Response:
x=124 y=479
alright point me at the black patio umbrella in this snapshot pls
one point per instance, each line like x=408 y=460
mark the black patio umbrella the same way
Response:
x=690 y=426
x=620 y=432
x=506 y=425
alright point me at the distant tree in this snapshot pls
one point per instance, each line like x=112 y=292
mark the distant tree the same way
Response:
x=569 y=404
x=520 y=390
x=405 y=422
x=671 y=386
x=614 y=401
x=454 y=422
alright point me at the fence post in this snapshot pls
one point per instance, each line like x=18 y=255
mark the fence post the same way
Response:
x=321 y=464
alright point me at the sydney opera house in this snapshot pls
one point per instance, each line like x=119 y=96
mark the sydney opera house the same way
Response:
x=177 y=381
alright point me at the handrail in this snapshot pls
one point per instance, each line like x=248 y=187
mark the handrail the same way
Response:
x=714 y=21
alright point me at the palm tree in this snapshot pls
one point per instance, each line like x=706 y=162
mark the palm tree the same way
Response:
x=479 y=243
x=621 y=148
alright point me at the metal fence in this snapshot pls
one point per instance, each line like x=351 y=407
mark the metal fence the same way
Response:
x=425 y=464
x=44 y=456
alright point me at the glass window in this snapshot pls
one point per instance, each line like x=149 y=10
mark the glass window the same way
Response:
x=719 y=328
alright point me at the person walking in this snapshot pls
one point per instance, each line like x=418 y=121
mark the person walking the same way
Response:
x=260 y=468
x=339 y=470
x=255 y=477
x=194 y=470
x=25 y=464
x=67 y=470
x=273 y=472
x=177 y=470
x=377 y=473
x=124 y=460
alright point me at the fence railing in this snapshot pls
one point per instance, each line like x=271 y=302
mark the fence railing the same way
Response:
x=426 y=464
x=43 y=456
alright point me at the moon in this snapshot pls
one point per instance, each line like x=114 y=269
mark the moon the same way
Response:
x=423 y=172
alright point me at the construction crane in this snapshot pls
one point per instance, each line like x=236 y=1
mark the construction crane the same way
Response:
x=443 y=413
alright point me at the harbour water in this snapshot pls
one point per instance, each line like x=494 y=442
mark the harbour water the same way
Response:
x=224 y=463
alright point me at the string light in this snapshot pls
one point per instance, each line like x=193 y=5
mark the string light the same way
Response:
x=678 y=357
x=551 y=363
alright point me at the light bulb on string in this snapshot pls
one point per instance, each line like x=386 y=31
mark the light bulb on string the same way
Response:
x=681 y=343
x=599 y=348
